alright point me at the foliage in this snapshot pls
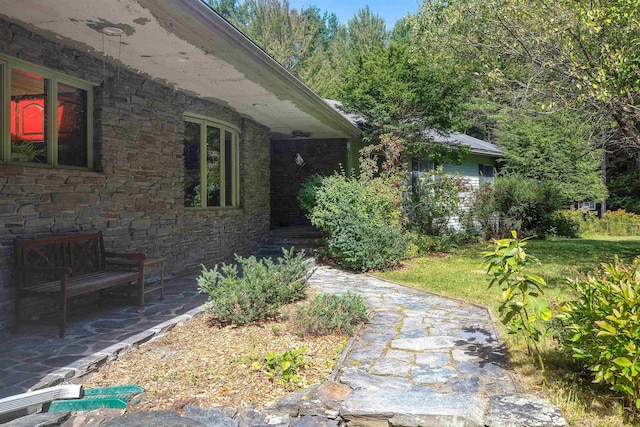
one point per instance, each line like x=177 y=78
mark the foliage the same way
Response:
x=434 y=202
x=585 y=220
x=525 y=204
x=332 y=314
x=619 y=223
x=553 y=148
x=306 y=41
x=482 y=214
x=399 y=93
x=307 y=195
x=604 y=325
x=561 y=225
x=508 y=262
x=358 y=221
x=284 y=366
x=561 y=55
x=258 y=292
x=612 y=223
x=623 y=179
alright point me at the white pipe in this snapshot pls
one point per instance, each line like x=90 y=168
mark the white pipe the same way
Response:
x=38 y=397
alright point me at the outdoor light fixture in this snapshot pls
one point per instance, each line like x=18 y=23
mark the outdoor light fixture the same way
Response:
x=112 y=31
x=299 y=160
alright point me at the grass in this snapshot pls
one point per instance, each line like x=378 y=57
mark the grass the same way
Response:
x=460 y=275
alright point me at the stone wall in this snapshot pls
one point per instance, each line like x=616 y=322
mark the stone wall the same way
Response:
x=135 y=192
x=322 y=156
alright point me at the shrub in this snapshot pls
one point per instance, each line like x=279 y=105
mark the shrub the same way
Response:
x=604 y=327
x=259 y=292
x=358 y=222
x=561 y=225
x=434 y=202
x=308 y=192
x=332 y=314
x=618 y=223
x=525 y=204
x=586 y=220
x=481 y=218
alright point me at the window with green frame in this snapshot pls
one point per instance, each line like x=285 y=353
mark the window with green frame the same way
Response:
x=211 y=162
x=45 y=116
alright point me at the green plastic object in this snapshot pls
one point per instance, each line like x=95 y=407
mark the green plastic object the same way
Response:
x=116 y=397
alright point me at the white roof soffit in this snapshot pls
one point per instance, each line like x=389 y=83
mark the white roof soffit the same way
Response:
x=188 y=45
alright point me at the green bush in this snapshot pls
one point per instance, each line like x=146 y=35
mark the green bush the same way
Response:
x=612 y=223
x=434 y=202
x=561 y=225
x=308 y=193
x=524 y=204
x=357 y=221
x=481 y=218
x=618 y=223
x=585 y=220
x=259 y=292
x=332 y=314
x=604 y=327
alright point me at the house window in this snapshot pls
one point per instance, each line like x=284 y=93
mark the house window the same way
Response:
x=211 y=162
x=485 y=173
x=45 y=117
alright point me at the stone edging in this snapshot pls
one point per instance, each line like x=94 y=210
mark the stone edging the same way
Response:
x=93 y=362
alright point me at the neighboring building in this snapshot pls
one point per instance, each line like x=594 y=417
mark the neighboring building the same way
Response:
x=479 y=165
x=154 y=121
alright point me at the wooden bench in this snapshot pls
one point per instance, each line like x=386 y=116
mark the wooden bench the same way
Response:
x=60 y=267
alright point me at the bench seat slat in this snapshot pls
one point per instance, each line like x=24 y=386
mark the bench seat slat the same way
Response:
x=84 y=284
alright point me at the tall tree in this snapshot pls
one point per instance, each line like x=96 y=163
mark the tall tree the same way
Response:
x=553 y=148
x=552 y=55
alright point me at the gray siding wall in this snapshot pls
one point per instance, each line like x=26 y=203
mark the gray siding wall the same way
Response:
x=135 y=192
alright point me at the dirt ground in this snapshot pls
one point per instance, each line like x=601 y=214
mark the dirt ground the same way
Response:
x=204 y=363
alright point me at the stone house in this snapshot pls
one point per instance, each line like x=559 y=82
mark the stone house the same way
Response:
x=172 y=132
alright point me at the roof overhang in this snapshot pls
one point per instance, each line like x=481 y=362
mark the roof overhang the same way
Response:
x=190 y=47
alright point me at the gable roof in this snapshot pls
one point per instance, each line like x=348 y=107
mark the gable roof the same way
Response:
x=475 y=145
x=188 y=45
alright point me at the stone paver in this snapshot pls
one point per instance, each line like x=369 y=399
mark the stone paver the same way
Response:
x=427 y=360
x=423 y=360
x=36 y=357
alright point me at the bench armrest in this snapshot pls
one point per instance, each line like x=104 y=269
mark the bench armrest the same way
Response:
x=63 y=271
x=133 y=257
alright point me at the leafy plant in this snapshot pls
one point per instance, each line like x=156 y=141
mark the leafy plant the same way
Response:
x=434 y=201
x=332 y=314
x=259 y=292
x=508 y=262
x=308 y=192
x=604 y=326
x=284 y=366
x=358 y=223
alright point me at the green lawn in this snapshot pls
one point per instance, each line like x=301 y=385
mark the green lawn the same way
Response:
x=460 y=275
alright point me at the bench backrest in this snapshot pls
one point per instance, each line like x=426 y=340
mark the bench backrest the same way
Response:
x=83 y=253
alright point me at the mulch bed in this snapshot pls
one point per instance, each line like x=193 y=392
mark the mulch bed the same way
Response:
x=204 y=363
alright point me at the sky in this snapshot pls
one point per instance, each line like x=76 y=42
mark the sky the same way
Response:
x=390 y=10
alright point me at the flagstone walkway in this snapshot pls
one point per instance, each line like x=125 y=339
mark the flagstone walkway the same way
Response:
x=423 y=360
x=427 y=360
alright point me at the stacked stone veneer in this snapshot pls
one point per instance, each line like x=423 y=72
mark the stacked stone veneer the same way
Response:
x=322 y=156
x=134 y=194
